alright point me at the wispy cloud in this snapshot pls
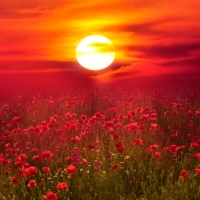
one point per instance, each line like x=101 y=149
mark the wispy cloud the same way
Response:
x=26 y=9
x=139 y=69
x=36 y=66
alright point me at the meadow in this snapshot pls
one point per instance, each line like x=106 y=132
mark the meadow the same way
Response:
x=117 y=144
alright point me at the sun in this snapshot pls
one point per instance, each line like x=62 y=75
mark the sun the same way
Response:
x=95 y=52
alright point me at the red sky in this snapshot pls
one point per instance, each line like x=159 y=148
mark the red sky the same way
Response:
x=151 y=38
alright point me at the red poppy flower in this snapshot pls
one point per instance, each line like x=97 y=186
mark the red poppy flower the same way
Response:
x=31 y=184
x=71 y=169
x=197 y=113
x=47 y=155
x=99 y=163
x=175 y=112
x=197 y=155
x=166 y=112
x=116 y=136
x=37 y=158
x=29 y=172
x=175 y=135
x=72 y=127
x=121 y=149
x=69 y=159
x=137 y=142
x=195 y=145
x=83 y=117
x=58 y=131
x=18 y=162
x=182 y=147
x=132 y=127
x=75 y=139
x=8 y=171
x=14 y=180
x=188 y=113
x=56 y=148
x=97 y=168
x=33 y=150
x=152 y=148
x=119 y=144
x=153 y=127
x=46 y=169
x=91 y=146
x=196 y=139
x=35 y=112
x=73 y=115
x=109 y=123
x=26 y=165
x=5 y=162
x=142 y=127
x=110 y=155
x=16 y=119
x=63 y=139
x=139 y=109
x=190 y=123
x=157 y=155
x=198 y=170
x=197 y=129
x=144 y=117
x=183 y=174
x=173 y=148
x=84 y=161
x=22 y=156
x=62 y=186
x=116 y=166
x=51 y=196
x=6 y=106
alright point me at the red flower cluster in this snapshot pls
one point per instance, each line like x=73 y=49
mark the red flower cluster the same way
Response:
x=152 y=148
x=173 y=149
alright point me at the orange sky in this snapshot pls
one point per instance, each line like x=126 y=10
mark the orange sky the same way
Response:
x=151 y=37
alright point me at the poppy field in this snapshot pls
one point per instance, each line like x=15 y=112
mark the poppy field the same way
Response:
x=116 y=144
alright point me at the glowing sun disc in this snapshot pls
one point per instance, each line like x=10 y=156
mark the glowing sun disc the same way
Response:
x=95 y=52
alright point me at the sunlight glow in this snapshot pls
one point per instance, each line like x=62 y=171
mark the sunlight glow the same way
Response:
x=95 y=52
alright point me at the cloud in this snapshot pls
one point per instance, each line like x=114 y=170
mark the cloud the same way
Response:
x=166 y=51
x=139 y=69
x=10 y=9
x=145 y=27
x=102 y=47
x=192 y=63
x=36 y=66
x=11 y=52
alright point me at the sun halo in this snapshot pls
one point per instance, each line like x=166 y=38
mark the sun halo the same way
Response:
x=95 y=52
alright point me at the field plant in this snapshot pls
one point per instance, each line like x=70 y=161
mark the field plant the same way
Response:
x=119 y=144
